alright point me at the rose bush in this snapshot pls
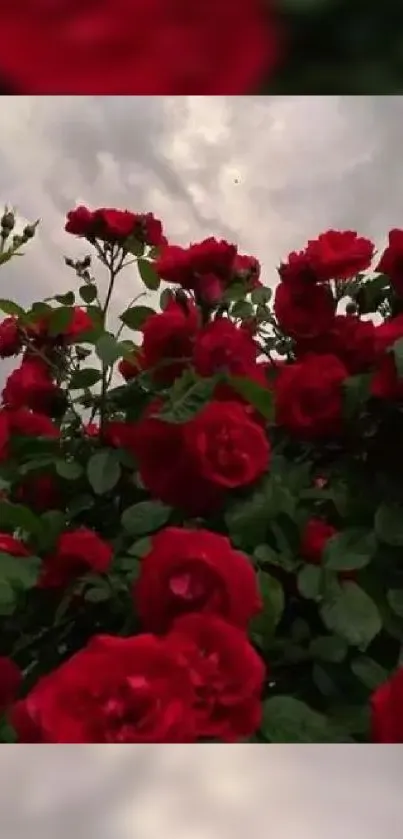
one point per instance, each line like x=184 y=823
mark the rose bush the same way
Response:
x=201 y=509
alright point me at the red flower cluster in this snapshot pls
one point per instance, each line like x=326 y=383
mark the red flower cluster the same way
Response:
x=70 y=48
x=386 y=708
x=76 y=552
x=112 y=225
x=25 y=423
x=334 y=255
x=202 y=680
x=207 y=268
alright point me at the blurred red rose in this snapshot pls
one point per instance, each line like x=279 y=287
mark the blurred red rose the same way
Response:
x=315 y=536
x=391 y=261
x=169 y=335
x=386 y=383
x=76 y=552
x=10 y=337
x=138 y=46
x=387 y=710
x=194 y=571
x=114 y=225
x=229 y=449
x=223 y=347
x=130 y=368
x=114 y=690
x=11 y=545
x=30 y=385
x=304 y=310
x=205 y=267
x=339 y=254
x=353 y=340
x=309 y=396
x=227 y=676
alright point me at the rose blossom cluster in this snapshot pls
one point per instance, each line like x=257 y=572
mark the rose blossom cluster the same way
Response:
x=191 y=674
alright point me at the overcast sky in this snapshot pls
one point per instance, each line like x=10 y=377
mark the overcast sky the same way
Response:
x=264 y=172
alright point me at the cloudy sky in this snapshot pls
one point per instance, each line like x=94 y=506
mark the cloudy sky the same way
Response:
x=264 y=172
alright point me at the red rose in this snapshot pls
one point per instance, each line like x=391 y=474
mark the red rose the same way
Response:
x=309 y=396
x=30 y=385
x=353 y=341
x=221 y=346
x=387 y=333
x=10 y=681
x=41 y=492
x=91 y=429
x=11 y=545
x=387 y=710
x=391 y=261
x=169 y=335
x=227 y=676
x=339 y=255
x=130 y=368
x=205 y=267
x=297 y=269
x=166 y=466
x=247 y=268
x=76 y=552
x=315 y=536
x=194 y=571
x=304 y=310
x=80 y=222
x=63 y=49
x=10 y=338
x=386 y=383
x=23 y=422
x=114 y=225
x=229 y=448
x=114 y=690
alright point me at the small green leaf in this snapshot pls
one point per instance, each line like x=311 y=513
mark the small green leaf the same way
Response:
x=265 y=555
x=60 y=319
x=395 y=600
x=87 y=377
x=88 y=292
x=388 y=524
x=261 y=295
x=19 y=517
x=165 y=298
x=145 y=517
x=108 y=349
x=329 y=648
x=65 y=299
x=356 y=390
x=242 y=309
x=369 y=672
x=309 y=582
x=11 y=308
x=148 y=274
x=186 y=405
x=19 y=574
x=288 y=720
x=103 y=471
x=7 y=598
x=351 y=614
x=259 y=397
x=70 y=470
x=349 y=550
x=136 y=316
x=272 y=594
x=140 y=548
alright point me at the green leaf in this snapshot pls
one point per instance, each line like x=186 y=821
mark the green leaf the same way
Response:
x=247 y=519
x=261 y=295
x=398 y=354
x=242 y=309
x=145 y=517
x=310 y=583
x=11 y=308
x=260 y=397
x=395 y=600
x=88 y=292
x=134 y=246
x=70 y=470
x=103 y=471
x=19 y=517
x=165 y=298
x=369 y=672
x=7 y=598
x=136 y=316
x=54 y=522
x=356 y=391
x=140 y=547
x=266 y=555
x=388 y=524
x=148 y=274
x=87 y=377
x=19 y=573
x=108 y=349
x=329 y=648
x=60 y=319
x=349 y=550
x=351 y=614
x=288 y=720
x=186 y=405
x=272 y=595
x=65 y=299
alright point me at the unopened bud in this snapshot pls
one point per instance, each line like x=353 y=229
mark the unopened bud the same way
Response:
x=29 y=231
x=17 y=241
x=7 y=222
x=69 y=262
x=86 y=262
